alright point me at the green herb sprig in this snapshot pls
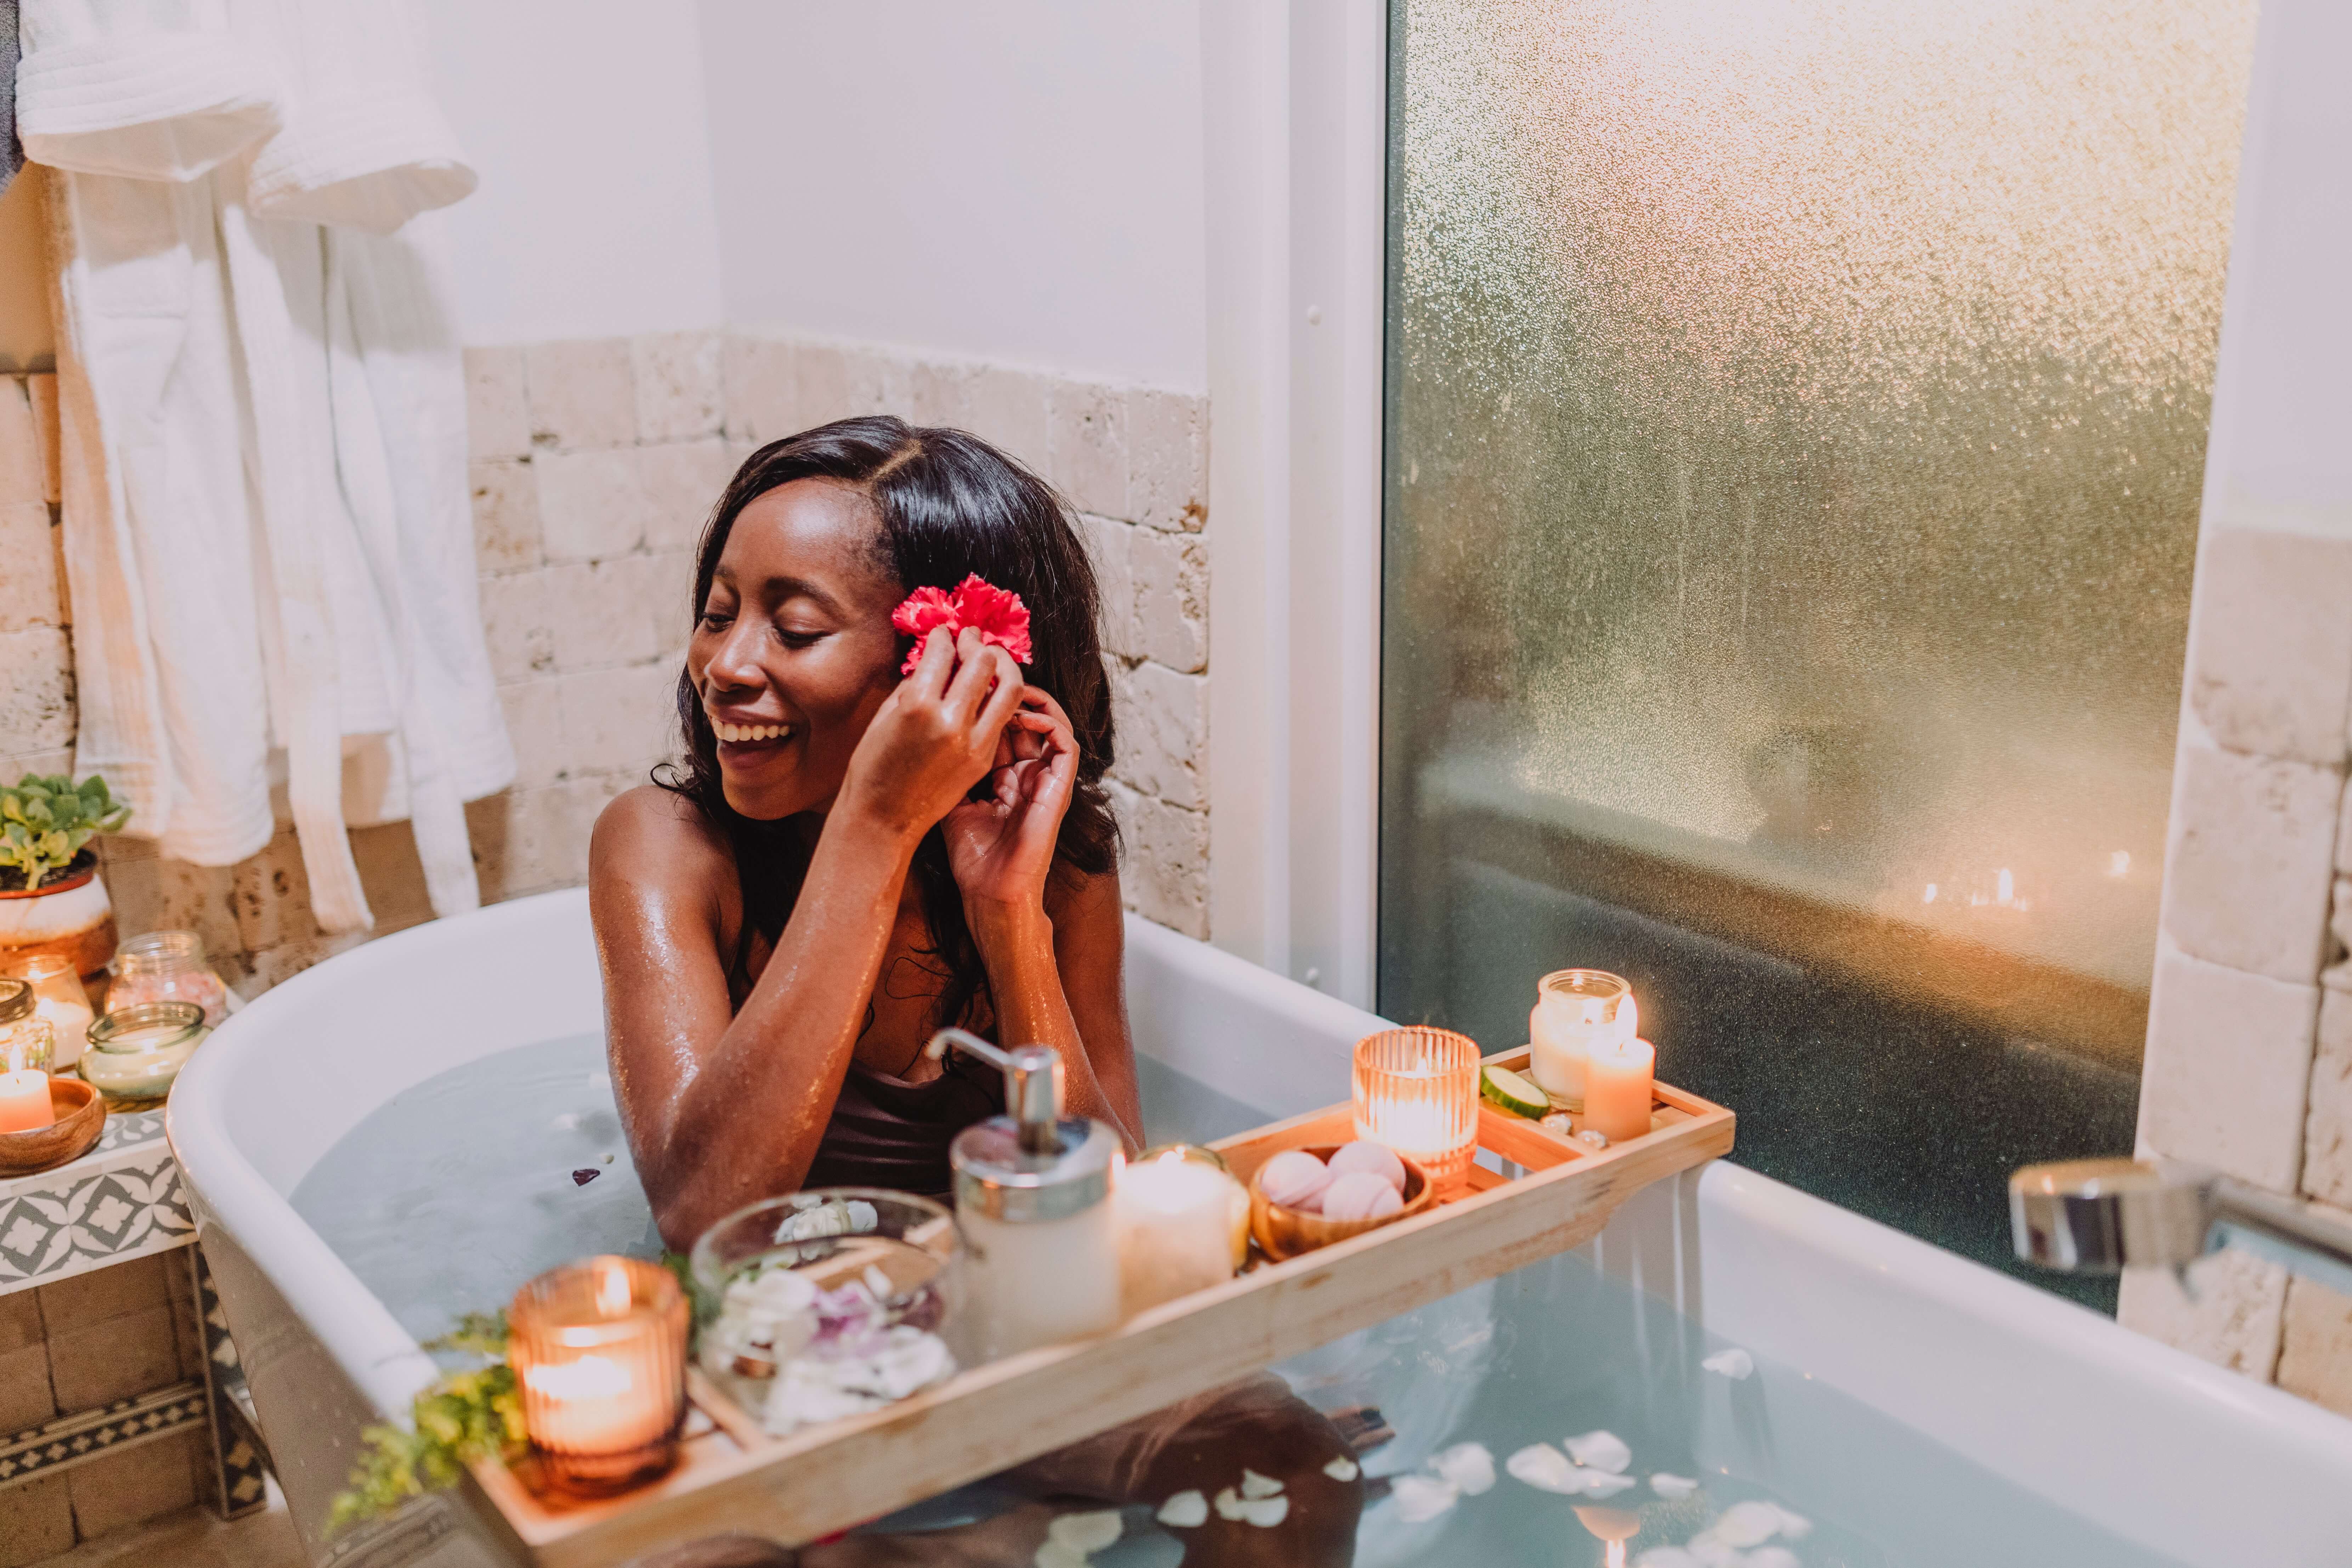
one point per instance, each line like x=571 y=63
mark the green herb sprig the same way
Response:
x=46 y=821
x=465 y=1417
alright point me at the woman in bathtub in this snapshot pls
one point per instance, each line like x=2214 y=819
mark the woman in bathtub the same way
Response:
x=848 y=860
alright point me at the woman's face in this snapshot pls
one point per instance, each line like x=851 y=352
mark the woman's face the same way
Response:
x=794 y=651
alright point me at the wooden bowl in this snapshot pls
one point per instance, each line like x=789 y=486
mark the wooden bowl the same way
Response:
x=80 y=1116
x=1283 y=1232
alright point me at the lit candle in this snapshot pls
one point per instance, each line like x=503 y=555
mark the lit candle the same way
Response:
x=1575 y=1009
x=1617 y=1089
x=58 y=998
x=1417 y=1091
x=1183 y=1225
x=24 y=1101
x=136 y=1053
x=598 y=1348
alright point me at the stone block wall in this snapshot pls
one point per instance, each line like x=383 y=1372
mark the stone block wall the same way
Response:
x=593 y=467
x=2248 y=1067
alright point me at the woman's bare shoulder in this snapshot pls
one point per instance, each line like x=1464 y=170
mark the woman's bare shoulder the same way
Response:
x=650 y=838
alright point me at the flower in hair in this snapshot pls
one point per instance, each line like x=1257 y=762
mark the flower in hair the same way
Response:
x=996 y=613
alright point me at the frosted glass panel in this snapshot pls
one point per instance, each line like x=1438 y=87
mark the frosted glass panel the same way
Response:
x=1797 y=419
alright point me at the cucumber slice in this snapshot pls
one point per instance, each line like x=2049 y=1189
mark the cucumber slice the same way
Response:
x=1513 y=1093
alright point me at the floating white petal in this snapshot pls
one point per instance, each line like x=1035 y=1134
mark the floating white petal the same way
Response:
x=1733 y=1363
x=1053 y=1554
x=1545 y=1468
x=1083 y=1532
x=1602 y=1450
x=1420 y=1498
x=1185 y=1511
x=1744 y=1524
x=1342 y=1468
x=1468 y=1468
x=1266 y=1511
x=1793 y=1526
x=1229 y=1504
x=1257 y=1485
x=1668 y=1485
x=1601 y=1483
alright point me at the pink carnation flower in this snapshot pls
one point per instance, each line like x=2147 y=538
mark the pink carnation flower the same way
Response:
x=997 y=614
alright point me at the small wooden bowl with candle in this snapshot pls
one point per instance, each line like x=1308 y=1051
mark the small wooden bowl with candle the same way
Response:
x=1283 y=1232
x=80 y=1116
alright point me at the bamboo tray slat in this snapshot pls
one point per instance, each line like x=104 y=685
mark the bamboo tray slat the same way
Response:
x=733 y=1477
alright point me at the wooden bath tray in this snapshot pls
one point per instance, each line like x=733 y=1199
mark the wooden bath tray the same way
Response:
x=733 y=1477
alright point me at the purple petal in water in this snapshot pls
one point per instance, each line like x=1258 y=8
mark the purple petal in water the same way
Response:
x=586 y=1174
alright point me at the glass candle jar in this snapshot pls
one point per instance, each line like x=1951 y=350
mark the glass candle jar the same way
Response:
x=1183 y=1225
x=1575 y=1010
x=58 y=996
x=1417 y=1091
x=135 y=1053
x=598 y=1349
x=25 y=1048
x=167 y=966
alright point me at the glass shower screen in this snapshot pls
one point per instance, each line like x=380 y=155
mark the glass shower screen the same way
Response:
x=1796 y=421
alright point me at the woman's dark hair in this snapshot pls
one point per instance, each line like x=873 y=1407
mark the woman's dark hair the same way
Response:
x=947 y=504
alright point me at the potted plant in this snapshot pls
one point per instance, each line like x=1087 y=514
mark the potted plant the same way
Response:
x=51 y=899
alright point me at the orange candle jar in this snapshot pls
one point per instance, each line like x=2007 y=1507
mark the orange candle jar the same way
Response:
x=598 y=1349
x=1417 y=1091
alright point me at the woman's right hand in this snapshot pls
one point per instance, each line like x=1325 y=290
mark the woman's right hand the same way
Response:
x=936 y=736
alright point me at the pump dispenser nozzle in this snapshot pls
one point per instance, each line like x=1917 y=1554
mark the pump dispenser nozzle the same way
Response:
x=1033 y=1085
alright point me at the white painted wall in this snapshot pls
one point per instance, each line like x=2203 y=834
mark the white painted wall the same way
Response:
x=1018 y=181
x=590 y=126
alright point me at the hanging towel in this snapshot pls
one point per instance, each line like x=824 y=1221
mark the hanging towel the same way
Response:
x=12 y=152
x=271 y=449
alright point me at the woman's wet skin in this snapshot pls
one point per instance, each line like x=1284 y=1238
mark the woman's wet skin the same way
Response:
x=795 y=655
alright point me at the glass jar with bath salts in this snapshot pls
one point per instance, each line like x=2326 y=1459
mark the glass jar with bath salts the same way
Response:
x=135 y=1053
x=167 y=966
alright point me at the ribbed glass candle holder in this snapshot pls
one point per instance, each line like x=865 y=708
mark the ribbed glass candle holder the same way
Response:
x=1417 y=1091
x=598 y=1348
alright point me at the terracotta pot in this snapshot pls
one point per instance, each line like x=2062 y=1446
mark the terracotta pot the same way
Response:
x=72 y=916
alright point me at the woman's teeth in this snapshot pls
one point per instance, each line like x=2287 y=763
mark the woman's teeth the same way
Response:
x=741 y=732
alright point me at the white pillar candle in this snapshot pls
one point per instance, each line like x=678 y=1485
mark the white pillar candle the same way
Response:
x=1569 y=1019
x=1038 y=1283
x=1178 y=1220
x=1617 y=1089
x=24 y=1101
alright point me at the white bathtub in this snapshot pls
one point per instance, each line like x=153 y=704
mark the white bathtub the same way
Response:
x=2143 y=1441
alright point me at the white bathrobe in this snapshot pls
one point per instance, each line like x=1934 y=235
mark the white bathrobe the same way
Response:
x=267 y=537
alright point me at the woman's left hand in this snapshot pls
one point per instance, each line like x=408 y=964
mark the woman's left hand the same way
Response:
x=1001 y=847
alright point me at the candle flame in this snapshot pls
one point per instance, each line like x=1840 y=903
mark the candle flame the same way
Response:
x=1629 y=1018
x=1616 y=1554
x=612 y=1291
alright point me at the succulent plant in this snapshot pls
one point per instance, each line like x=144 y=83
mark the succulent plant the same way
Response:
x=46 y=822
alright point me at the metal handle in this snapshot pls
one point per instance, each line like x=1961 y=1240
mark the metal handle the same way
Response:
x=1032 y=1084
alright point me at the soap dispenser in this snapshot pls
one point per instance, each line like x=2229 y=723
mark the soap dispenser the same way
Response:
x=1033 y=1197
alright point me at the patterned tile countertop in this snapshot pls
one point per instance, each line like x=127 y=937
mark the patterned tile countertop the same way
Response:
x=122 y=1199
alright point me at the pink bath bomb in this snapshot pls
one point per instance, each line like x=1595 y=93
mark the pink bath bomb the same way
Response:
x=1359 y=1194
x=1378 y=1159
x=1295 y=1179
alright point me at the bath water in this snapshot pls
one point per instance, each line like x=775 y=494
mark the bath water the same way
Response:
x=451 y=1194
